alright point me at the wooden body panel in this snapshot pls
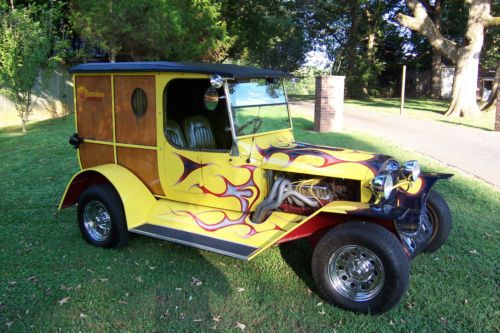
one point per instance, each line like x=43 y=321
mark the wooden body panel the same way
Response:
x=144 y=164
x=130 y=128
x=94 y=154
x=94 y=107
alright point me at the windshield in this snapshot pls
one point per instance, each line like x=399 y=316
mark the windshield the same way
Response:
x=258 y=106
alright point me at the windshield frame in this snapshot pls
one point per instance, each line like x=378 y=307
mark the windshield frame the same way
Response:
x=231 y=112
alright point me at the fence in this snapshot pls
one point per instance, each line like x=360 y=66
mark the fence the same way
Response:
x=54 y=100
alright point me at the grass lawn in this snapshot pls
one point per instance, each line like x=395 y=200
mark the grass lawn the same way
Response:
x=51 y=280
x=422 y=108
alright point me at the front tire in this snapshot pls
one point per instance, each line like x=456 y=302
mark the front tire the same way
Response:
x=439 y=215
x=101 y=217
x=361 y=267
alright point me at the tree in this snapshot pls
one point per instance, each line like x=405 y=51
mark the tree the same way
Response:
x=464 y=56
x=152 y=30
x=26 y=47
x=351 y=32
x=490 y=58
x=266 y=33
x=434 y=11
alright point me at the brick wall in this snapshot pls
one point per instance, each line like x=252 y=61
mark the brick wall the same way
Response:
x=329 y=103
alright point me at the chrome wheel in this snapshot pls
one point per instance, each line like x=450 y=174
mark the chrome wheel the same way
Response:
x=356 y=273
x=97 y=220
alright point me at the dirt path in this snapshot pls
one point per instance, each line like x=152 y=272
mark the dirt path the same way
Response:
x=474 y=151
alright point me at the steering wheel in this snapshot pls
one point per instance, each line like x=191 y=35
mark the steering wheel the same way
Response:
x=257 y=122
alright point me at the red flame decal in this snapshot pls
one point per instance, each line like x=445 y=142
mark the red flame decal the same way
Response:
x=243 y=192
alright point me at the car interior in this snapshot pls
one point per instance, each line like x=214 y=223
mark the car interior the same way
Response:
x=196 y=115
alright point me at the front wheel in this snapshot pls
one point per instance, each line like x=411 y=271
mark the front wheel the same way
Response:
x=439 y=216
x=361 y=267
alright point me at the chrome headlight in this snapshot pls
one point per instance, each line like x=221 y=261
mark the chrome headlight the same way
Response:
x=410 y=170
x=382 y=185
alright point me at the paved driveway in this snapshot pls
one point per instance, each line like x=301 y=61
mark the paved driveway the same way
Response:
x=472 y=150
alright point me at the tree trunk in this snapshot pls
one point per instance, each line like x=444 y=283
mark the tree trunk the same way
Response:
x=112 y=56
x=436 y=56
x=463 y=98
x=494 y=90
x=353 y=38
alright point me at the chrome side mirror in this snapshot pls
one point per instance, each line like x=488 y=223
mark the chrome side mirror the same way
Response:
x=216 y=81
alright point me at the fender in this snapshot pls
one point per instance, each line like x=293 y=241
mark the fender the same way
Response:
x=338 y=212
x=136 y=198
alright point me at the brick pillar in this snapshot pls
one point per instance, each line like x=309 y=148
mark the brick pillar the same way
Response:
x=329 y=103
x=497 y=116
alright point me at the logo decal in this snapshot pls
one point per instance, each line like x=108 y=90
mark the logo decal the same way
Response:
x=83 y=94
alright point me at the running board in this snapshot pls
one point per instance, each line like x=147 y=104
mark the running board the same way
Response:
x=195 y=240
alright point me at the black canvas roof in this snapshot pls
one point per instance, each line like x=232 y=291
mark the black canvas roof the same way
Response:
x=224 y=70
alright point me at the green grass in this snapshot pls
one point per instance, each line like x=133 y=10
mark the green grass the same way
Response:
x=422 y=108
x=148 y=285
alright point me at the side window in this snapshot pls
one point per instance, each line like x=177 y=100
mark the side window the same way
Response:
x=139 y=102
x=196 y=115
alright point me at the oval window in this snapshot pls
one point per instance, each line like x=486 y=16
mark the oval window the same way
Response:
x=211 y=98
x=139 y=102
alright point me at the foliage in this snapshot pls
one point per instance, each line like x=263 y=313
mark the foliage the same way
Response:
x=351 y=33
x=152 y=30
x=304 y=82
x=153 y=285
x=266 y=33
x=26 y=47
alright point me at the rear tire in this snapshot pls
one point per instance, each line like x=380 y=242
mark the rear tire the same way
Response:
x=101 y=217
x=361 y=267
x=439 y=215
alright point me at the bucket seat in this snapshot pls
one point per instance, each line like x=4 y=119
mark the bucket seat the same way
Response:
x=174 y=134
x=199 y=133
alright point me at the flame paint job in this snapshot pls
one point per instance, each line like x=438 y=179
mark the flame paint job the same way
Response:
x=329 y=155
x=243 y=192
x=189 y=167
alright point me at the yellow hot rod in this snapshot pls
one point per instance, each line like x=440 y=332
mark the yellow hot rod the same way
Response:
x=204 y=155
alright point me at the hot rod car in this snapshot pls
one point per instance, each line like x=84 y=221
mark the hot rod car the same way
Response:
x=204 y=155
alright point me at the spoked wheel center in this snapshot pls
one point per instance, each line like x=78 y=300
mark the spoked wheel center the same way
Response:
x=97 y=220
x=356 y=273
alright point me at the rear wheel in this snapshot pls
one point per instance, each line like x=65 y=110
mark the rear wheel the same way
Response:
x=101 y=217
x=361 y=267
x=439 y=216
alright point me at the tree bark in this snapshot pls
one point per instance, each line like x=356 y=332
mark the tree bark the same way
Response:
x=353 y=38
x=463 y=97
x=112 y=56
x=436 y=56
x=23 y=124
x=494 y=90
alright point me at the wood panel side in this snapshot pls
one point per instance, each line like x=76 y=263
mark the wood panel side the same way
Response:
x=94 y=154
x=144 y=164
x=94 y=107
x=130 y=128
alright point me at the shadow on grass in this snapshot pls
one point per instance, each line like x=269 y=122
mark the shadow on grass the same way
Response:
x=304 y=132
x=466 y=125
x=297 y=255
x=425 y=105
